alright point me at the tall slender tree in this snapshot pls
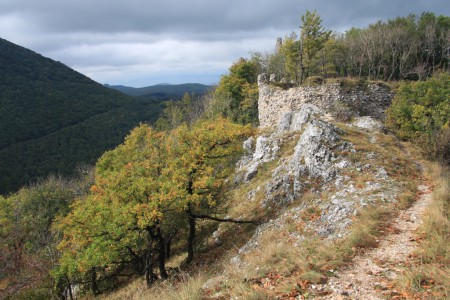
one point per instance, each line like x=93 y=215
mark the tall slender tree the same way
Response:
x=313 y=37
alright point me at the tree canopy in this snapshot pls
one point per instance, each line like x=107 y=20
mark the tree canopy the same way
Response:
x=411 y=47
x=151 y=186
x=53 y=119
x=236 y=96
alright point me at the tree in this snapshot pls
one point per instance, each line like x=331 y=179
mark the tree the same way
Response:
x=290 y=50
x=27 y=217
x=236 y=96
x=332 y=58
x=201 y=161
x=122 y=220
x=312 y=40
x=27 y=243
x=146 y=189
x=188 y=110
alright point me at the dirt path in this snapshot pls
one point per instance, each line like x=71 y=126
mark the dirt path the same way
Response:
x=369 y=275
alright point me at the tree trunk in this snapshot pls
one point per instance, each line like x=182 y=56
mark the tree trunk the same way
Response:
x=69 y=289
x=149 y=267
x=168 y=242
x=161 y=255
x=94 y=287
x=191 y=238
x=302 y=66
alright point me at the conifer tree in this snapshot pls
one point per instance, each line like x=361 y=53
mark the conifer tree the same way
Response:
x=313 y=37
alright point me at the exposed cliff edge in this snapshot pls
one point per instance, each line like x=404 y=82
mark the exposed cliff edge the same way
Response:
x=370 y=99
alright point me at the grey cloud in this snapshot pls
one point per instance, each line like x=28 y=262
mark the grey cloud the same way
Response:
x=117 y=40
x=202 y=17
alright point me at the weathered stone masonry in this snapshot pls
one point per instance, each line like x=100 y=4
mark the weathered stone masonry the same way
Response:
x=371 y=100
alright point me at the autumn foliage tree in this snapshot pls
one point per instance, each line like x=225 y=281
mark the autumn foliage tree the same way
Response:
x=152 y=186
x=120 y=222
x=202 y=159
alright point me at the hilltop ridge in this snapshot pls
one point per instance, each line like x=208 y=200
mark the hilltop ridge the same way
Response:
x=164 y=91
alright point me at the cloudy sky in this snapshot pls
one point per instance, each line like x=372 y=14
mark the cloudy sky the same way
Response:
x=145 y=42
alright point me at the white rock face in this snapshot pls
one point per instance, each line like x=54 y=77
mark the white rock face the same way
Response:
x=273 y=103
x=368 y=123
x=314 y=148
x=314 y=155
x=293 y=121
x=316 y=169
x=319 y=159
x=265 y=150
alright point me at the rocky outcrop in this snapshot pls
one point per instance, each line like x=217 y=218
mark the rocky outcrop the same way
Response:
x=317 y=166
x=364 y=100
x=314 y=156
x=312 y=175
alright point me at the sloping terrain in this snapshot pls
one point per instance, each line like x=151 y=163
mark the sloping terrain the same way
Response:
x=329 y=194
x=371 y=274
x=324 y=192
x=53 y=118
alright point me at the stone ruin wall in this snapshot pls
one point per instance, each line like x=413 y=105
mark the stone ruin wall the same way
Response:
x=371 y=100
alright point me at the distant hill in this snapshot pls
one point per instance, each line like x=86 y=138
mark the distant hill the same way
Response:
x=53 y=118
x=163 y=91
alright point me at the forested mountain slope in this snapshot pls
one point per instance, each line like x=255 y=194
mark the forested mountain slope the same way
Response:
x=53 y=118
x=163 y=91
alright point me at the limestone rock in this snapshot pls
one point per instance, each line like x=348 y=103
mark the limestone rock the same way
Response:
x=371 y=100
x=314 y=149
x=294 y=121
x=368 y=123
x=313 y=157
x=272 y=78
x=265 y=150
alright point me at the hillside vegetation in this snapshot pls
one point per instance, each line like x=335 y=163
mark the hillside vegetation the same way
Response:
x=203 y=206
x=53 y=118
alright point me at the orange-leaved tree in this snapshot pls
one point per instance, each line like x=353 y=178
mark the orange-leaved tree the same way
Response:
x=120 y=223
x=145 y=190
x=202 y=159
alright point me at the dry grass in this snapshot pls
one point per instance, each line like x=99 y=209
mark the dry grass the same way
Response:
x=312 y=261
x=179 y=287
x=276 y=266
x=392 y=155
x=271 y=264
x=429 y=274
x=365 y=231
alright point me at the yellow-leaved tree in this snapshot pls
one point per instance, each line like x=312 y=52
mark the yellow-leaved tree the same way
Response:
x=146 y=190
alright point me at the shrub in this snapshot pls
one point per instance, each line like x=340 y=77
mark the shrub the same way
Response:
x=442 y=146
x=420 y=111
x=349 y=84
